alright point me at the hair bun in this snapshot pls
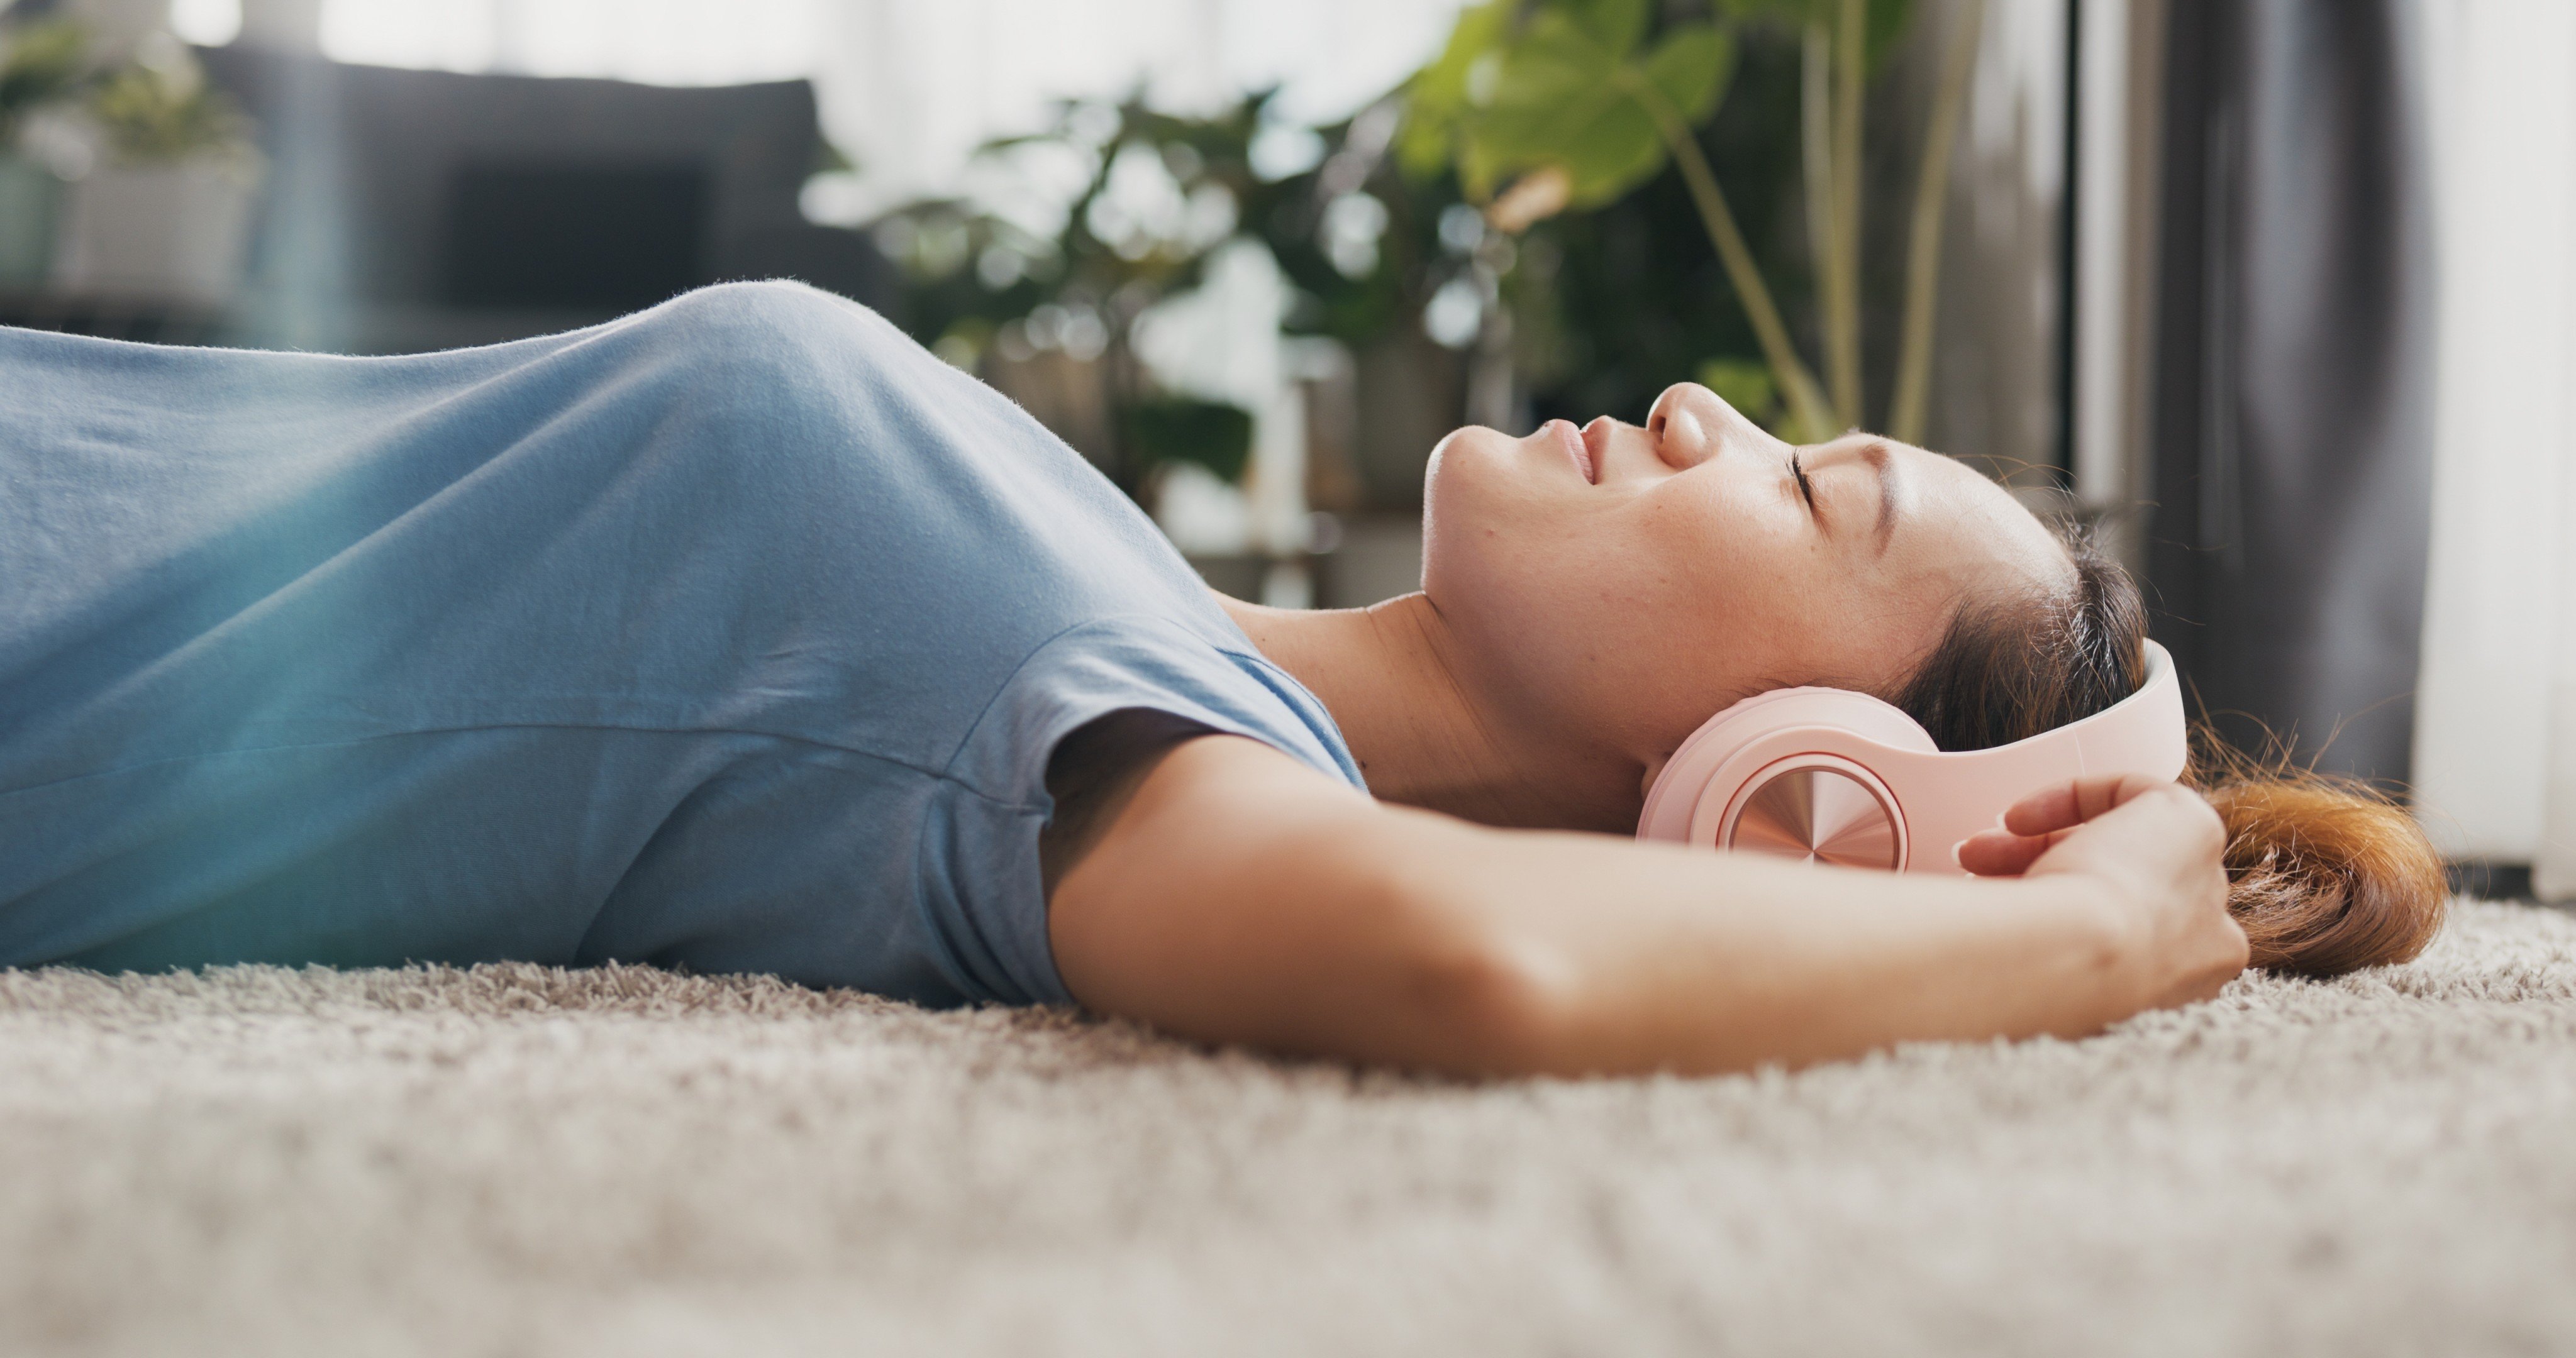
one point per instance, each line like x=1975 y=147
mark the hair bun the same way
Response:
x=2327 y=876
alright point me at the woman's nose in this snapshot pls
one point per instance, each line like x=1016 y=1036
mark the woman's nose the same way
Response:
x=1679 y=429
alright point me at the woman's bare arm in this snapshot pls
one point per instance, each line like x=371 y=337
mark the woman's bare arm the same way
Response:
x=1228 y=893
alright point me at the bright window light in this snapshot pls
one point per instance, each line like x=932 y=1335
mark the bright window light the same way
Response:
x=449 y=35
x=207 y=23
x=667 y=42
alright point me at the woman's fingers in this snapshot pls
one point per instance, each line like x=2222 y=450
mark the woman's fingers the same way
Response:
x=1995 y=853
x=2065 y=805
x=2001 y=853
x=2036 y=823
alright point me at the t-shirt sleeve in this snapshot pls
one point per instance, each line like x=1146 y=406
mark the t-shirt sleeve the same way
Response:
x=981 y=886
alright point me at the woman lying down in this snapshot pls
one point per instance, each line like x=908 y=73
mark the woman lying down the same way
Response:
x=745 y=635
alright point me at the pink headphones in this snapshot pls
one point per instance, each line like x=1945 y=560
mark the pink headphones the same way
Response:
x=1828 y=775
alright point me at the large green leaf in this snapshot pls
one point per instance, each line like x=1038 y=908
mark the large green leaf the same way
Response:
x=1436 y=97
x=1561 y=101
x=1690 y=69
x=1610 y=155
x=1566 y=87
x=1567 y=99
x=1553 y=70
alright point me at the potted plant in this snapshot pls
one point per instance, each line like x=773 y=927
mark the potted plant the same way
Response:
x=166 y=216
x=41 y=64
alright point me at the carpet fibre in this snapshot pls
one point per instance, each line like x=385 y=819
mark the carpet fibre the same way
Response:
x=515 y=1160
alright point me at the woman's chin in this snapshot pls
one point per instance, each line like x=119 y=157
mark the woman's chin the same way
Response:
x=1490 y=465
x=1449 y=481
x=1459 y=449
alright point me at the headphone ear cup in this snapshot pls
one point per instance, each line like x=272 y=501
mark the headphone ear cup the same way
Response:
x=1834 y=775
x=1684 y=806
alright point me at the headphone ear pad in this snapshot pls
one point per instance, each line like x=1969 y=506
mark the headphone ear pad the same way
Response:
x=1684 y=785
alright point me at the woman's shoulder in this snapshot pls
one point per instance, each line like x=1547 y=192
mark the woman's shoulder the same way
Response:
x=1185 y=669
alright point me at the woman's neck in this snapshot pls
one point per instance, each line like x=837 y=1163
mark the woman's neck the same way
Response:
x=1421 y=736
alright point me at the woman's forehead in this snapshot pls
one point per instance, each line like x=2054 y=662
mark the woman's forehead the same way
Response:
x=1962 y=518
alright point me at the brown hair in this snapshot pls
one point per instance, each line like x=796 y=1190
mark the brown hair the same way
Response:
x=2325 y=874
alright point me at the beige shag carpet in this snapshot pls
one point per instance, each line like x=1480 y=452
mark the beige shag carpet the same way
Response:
x=512 y=1160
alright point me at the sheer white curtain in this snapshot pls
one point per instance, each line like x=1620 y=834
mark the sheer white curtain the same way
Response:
x=2495 y=754
x=683 y=42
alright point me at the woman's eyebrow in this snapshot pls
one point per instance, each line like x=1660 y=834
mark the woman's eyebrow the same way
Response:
x=1891 y=489
x=1891 y=485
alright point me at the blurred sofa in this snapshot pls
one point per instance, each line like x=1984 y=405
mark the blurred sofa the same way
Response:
x=410 y=210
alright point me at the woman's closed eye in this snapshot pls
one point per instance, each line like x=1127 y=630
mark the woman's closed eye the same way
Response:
x=1806 y=488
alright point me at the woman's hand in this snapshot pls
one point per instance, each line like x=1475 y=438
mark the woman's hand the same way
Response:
x=2156 y=850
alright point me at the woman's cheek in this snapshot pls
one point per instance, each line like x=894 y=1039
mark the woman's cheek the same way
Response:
x=1707 y=537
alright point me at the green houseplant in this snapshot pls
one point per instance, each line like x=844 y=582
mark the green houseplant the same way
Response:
x=42 y=65
x=989 y=294
x=166 y=216
x=1357 y=243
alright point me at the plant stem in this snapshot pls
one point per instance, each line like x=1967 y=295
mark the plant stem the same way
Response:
x=1923 y=252
x=1816 y=147
x=1842 y=299
x=1807 y=402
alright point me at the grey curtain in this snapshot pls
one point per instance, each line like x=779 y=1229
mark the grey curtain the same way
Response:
x=2292 y=445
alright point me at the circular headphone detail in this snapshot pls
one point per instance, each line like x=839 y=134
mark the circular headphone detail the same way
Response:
x=1818 y=809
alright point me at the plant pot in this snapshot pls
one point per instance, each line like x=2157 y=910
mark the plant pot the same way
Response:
x=163 y=233
x=31 y=198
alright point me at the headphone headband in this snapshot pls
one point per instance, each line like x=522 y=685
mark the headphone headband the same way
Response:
x=1830 y=775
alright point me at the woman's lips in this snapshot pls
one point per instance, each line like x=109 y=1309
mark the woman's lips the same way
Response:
x=1596 y=443
x=1571 y=440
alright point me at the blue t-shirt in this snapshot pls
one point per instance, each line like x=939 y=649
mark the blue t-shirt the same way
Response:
x=735 y=635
